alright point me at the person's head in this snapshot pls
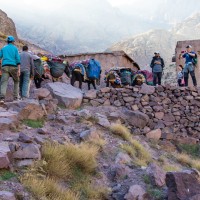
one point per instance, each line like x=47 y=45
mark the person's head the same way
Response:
x=189 y=48
x=180 y=67
x=10 y=39
x=25 y=48
x=157 y=54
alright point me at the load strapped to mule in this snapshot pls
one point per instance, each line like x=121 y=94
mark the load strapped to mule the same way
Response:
x=57 y=66
x=90 y=69
x=121 y=76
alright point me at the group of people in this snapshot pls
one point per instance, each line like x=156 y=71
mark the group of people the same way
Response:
x=17 y=65
x=157 y=65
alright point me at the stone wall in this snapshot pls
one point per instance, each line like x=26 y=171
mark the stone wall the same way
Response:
x=173 y=113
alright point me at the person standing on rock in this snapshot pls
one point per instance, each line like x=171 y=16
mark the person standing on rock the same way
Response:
x=157 y=65
x=189 y=66
x=27 y=72
x=10 y=67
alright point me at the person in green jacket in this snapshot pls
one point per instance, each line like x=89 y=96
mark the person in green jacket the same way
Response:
x=10 y=68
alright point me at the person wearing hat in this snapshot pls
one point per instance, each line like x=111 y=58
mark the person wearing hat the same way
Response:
x=189 y=66
x=10 y=68
x=157 y=65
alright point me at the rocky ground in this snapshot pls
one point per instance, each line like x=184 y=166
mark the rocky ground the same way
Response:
x=26 y=125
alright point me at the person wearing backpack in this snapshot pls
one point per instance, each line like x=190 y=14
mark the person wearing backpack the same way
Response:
x=157 y=65
x=27 y=72
x=189 y=56
x=10 y=68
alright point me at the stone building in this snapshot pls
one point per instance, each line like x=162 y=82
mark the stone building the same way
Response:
x=181 y=46
x=107 y=59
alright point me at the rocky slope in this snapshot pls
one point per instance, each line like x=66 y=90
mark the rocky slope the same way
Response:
x=109 y=158
x=7 y=27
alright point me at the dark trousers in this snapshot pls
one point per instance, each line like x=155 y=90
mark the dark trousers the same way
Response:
x=38 y=82
x=157 y=78
x=186 y=76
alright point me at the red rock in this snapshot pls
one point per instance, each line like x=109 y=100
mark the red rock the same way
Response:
x=169 y=117
x=183 y=185
x=136 y=192
x=155 y=134
x=159 y=115
x=157 y=175
x=146 y=89
x=4 y=160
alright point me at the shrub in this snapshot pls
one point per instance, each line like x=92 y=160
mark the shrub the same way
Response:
x=6 y=175
x=191 y=149
x=120 y=130
x=34 y=123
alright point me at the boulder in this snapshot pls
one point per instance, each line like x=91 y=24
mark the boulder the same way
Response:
x=29 y=151
x=67 y=95
x=8 y=120
x=90 y=94
x=31 y=111
x=19 y=105
x=89 y=134
x=105 y=90
x=157 y=175
x=102 y=120
x=136 y=192
x=41 y=93
x=147 y=89
x=123 y=158
x=183 y=185
x=4 y=160
x=136 y=118
x=120 y=171
x=155 y=134
x=5 y=195
x=25 y=138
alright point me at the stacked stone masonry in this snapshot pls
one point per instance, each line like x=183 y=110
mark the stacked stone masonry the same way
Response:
x=173 y=111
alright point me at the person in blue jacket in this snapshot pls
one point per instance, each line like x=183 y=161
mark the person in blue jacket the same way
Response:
x=189 y=66
x=10 y=68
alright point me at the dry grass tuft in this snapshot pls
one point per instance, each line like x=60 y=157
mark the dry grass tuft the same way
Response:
x=120 y=130
x=72 y=165
x=141 y=152
x=171 y=168
x=184 y=159
x=188 y=161
x=47 y=189
x=129 y=149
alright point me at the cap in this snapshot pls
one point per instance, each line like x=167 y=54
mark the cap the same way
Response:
x=156 y=52
x=189 y=46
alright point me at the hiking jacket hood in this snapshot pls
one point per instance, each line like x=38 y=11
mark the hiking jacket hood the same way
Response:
x=9 y=55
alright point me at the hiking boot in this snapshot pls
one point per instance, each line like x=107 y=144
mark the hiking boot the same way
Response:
x=17 y=99
x=2 y=100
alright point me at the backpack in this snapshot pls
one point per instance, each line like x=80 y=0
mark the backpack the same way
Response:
x=93 y=69
x=39 y=70
x=194 y=60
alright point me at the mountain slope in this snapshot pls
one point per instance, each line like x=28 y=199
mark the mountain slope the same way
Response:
x=7 y=27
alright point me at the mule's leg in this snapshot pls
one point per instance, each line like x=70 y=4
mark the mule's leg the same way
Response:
x=93 y=84
x=88 y=85
x=73 y=79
